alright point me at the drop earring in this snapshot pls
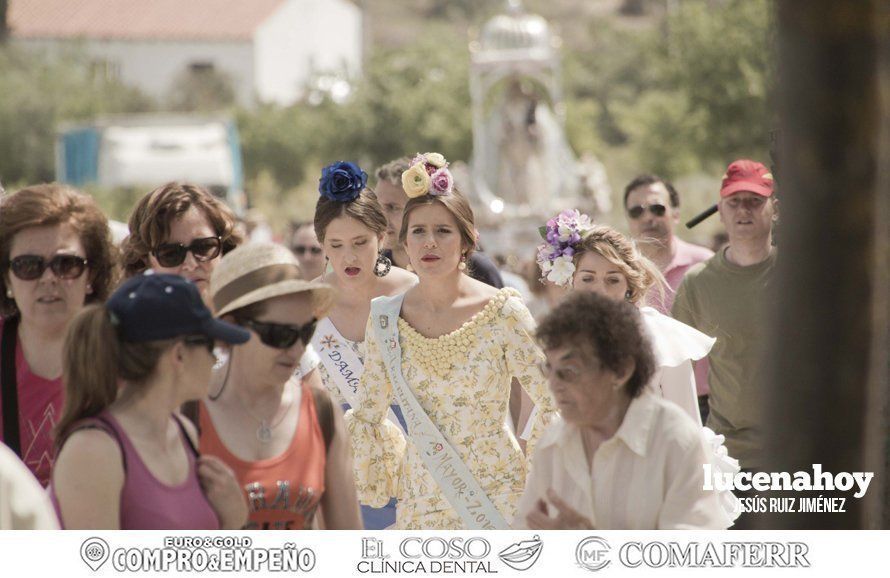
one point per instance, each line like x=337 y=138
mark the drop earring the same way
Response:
x=627 y=295
x=382 y=266
x=462 y=266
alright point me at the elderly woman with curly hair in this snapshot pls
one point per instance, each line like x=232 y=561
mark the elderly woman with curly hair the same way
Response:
x=620 y=457
x=56 y=255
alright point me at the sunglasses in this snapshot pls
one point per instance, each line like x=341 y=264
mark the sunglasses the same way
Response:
x=201 y=341
x=173 y=254
x=205 y=342
x=279 y=335
x=303 y=249
x=31 y=267
x=656 y=209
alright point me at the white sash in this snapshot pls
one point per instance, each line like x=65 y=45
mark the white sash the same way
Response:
x=343 y=366
x=458 y=485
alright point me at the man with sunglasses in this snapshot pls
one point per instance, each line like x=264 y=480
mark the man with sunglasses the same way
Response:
x=652 y=207
x=727 y=297
x=305 y=246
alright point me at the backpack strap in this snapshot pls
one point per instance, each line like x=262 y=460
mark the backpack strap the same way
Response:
x=324 y=410
x=9 y=385
x=185 y=432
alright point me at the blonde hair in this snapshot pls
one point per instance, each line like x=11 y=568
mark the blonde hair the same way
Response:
x=641 y=273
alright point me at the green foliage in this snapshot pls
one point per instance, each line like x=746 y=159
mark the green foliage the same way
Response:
x=38 y=94
x=687 y=95
x=681 y=96
x=116 y=203
x=409 y=100
x=722 y=65
x=611 y=70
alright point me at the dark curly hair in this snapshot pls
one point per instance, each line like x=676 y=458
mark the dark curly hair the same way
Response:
x=154 y=214
x=609 y=330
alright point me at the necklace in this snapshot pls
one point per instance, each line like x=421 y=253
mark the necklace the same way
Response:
x=264 y=431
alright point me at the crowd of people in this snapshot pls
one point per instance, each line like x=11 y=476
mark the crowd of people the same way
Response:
x=377 y=370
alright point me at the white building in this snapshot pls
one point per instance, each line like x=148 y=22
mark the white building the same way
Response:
x=269 y=49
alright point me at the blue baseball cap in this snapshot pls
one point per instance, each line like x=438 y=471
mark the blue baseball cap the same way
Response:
x=153 y=307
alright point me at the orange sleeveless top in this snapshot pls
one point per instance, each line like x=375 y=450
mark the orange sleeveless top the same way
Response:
x=282 y=492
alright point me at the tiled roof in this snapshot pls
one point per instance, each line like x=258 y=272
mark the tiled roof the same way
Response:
x=139 y=19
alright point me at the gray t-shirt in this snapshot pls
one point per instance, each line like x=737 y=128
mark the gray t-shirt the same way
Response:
x=729 y=302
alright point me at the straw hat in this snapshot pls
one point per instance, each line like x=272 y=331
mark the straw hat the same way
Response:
x=258 y=271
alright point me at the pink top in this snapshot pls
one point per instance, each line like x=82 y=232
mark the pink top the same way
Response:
x=147 y=503
x=685 y=256
x=40 y=406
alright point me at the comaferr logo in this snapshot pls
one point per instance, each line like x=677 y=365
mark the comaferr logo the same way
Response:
x=593 y=553
x=714 y=555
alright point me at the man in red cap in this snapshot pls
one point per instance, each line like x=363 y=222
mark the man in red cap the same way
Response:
x=725 y=296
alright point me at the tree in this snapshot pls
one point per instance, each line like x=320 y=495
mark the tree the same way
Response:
x=685 y=97
x=38 y=95
x=412 y=99
x=710 y=96
x=4 y=25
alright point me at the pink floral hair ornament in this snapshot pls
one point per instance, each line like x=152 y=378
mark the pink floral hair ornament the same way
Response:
x=562 y=234
x=427 y=174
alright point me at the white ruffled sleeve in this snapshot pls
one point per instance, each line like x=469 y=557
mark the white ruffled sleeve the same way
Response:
x=676 y=345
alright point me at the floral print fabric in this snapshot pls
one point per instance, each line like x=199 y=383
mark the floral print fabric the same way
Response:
x=462 y=380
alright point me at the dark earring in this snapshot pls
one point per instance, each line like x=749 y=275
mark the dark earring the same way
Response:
x=382 y=266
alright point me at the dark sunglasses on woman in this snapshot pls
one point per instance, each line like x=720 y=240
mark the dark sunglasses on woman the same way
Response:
x=656 y=209
x=31 y=267
x=206 y=342
x=303 y=249
x=200 y=341
x=173 y=254
x=280 y=335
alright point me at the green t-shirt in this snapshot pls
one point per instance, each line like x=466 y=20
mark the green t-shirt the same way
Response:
x=728 y=302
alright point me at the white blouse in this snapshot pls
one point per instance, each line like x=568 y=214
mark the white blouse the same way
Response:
x=675 y=345
x=648 y=476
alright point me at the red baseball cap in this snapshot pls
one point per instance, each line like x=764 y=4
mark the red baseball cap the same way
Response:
x=745 y=175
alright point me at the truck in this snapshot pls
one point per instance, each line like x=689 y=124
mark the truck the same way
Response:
x=148 y=150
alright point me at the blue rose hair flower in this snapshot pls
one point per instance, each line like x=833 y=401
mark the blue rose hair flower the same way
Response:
x=342 y=181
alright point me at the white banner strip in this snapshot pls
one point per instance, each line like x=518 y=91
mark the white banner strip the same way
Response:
x=506 y=553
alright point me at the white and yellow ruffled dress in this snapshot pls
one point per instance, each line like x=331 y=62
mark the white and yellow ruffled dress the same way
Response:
x=463 y=381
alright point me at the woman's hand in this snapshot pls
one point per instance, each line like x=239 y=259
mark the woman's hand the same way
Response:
x=566 y=519
x=223 y=492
